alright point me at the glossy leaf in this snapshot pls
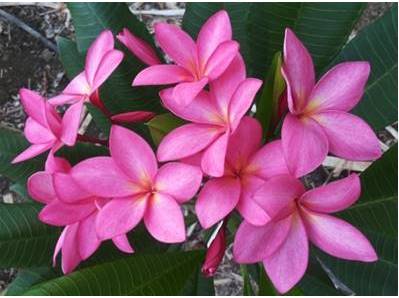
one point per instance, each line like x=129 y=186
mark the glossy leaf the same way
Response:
x=199 y=285
x=102 y=122
x=247 y=288
x=161 y=125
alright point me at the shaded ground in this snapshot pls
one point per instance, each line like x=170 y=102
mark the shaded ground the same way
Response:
x=27 y=62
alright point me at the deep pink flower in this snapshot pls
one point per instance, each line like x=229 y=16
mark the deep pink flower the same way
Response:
x=42 y=127
x=301 y=216
x=197 y=63
x=101 y=60
x=215 y=115
x=138 y=188
x=69 y=205
x=247 y=167
x=318 y=121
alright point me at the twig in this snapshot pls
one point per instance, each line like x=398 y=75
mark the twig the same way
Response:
x=54 y=5
x=165 y=12
x=12 y=19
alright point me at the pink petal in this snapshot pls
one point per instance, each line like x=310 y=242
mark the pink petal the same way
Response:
x=164 y=219
x=107 y=66
x=276 y=194
x=78 y=87
x=216 y=30
x=213 y=160
x=177 y=44
x=349 y=136
x=333 y=197
x=252 y=212
x=32 y=151
x=179 y=180
x=35 y=133
x=87 y=237
x=34 y=105
x=68 y=190
x=269 y=161
x=185 y=93
x=132 y=154
x=238 y=152
x=62 y=99
x=288 y=264
x=122 y=243
x=351 y=77
x=58 y=245
x=305 y=144
x=102 y=177
x=162 y=75
x=139 y=47
x=253 y=244
x=298 y=72
x=133 y=117
x=71 y=122
x=56 y=164
x=120 y=215
x=218 y=197
x=242 y=100
x=186 y=140
x=221 y=59
x=96 y=52
x=53 y=119
x=70 y=249
x=40 y=187
x=338 y=238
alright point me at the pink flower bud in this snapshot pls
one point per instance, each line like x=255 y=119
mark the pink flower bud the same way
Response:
x=215 y=252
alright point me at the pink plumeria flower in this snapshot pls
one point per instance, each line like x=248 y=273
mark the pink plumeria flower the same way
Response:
x=71 y=206
x=197 y=63
x=101 y=60
x=215 y=115
x=139 y=189
x=42 y=127
x=318 y=121
x=300 y=216
x=246 y=169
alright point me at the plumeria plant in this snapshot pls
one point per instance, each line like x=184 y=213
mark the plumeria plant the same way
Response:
x=210 y=136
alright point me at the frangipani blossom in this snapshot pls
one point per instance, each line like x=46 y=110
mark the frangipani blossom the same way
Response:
x=42 y=127
x=301 y=216
x=215 y=115
x=139 y=189
x=71 y=206
x=246 y=169
x=101 y=60
x=197 y=63
x=318 y=121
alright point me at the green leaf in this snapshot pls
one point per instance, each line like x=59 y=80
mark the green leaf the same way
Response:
x=82 y=151
x=378 y=44
x=102 y=122
x=199 y=285
x=161 y=125
x=24 y=240
x=70 y=57
x=266 y=287
x=140 y=274
x=323 y=28
x=375 y=214
x=247 y=288
x=267 y=105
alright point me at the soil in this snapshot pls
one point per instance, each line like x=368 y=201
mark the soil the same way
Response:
x=26 y=62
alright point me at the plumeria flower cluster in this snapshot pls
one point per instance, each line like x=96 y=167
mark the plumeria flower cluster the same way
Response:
x=106 y=197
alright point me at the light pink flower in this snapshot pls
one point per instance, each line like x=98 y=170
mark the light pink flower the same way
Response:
x=197 y=63
x=246 y=169
x=42 y=127
x=318 y=121
x=215 y=115
x=101 y=60
x=139 y=189
x=69 y=205
x=301 y=216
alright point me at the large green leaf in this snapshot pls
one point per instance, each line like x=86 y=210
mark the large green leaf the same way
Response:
x=323 y=28
x=140 y=274
x=375 y=214
x=199 y=285
x=161 y=125
x=378 y=44
x=24 y=240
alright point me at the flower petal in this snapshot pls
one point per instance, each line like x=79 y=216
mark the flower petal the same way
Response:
x=298 y=71
x=87 y=236
x=333 y=197
x=32 y=151
x=185 y=93
x=70 y=249
x=351 y=77
x=349 y=136
x=186 y=140
x=213 y=160
x=35 y=133
x=34 y=105
x=122 y=243
x=79 y=87
x=40 y=187
x=68 y=190
x=71 y=122
x=164 y=219
x=338 y=238
x=133 y=117
x=218 y=197
x=288 y=264
x=162 y=75
x=305 y=144
x=179 y=180
x=58 y=245
x=132 y=154
x=253 y=244
x=221 y=59
x=120 y=215
x=107 y=66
